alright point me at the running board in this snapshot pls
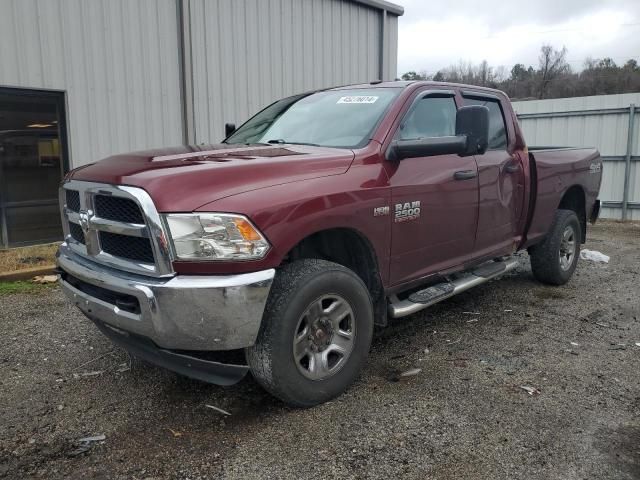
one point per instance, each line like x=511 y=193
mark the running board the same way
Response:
x=436 y=293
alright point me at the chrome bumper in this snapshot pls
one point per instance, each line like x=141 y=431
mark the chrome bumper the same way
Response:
x=178 y=313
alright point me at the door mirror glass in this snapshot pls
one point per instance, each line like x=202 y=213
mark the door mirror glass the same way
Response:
x=473 y=122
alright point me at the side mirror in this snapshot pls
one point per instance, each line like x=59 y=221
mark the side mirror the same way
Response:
x=473 y=122
x=471 y=138
x=229 y=128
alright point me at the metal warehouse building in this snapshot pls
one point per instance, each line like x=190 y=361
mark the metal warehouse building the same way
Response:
x=83 y=79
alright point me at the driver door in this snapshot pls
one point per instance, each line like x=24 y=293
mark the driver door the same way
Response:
x=434 y=199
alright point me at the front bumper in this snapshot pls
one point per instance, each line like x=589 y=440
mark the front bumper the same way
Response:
x=204 y=313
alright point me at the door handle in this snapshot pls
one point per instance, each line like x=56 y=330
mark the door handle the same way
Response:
x=465 y=174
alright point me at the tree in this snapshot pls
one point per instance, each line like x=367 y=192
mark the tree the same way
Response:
x=553 y=64
x=413 y=76
x=552 y=79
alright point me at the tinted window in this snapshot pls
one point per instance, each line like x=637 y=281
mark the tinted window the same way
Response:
x=429 y=117
x=497 y=127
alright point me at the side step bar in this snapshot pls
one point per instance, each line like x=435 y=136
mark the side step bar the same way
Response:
x=436 y=293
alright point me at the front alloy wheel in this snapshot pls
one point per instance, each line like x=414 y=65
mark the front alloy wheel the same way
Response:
x=324 y=337
x=315 y=334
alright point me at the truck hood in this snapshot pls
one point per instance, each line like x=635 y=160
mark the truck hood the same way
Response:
x=184 y=178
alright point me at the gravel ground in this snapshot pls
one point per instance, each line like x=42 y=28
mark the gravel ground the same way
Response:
x=464 y=415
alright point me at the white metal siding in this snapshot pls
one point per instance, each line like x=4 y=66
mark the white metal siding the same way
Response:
x=608 y=133
x=248 y=53
x=117 y=60
x=391 y=48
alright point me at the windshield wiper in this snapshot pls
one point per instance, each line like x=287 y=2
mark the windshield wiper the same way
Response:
x=280 y=141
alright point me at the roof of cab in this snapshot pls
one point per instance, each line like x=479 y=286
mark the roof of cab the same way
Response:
x=416 y=83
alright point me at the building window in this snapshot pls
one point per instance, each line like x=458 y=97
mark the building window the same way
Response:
x=32 y=163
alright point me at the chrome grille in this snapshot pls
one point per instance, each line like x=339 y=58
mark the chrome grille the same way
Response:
x=73 y=200
x=118 y=208
x=133 y=248
x=76 y=232
x=115 y=225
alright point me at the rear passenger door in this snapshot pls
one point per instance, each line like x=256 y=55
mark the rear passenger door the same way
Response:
x=501 y=182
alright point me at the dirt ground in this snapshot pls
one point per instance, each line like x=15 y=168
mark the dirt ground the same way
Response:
x=464 y=415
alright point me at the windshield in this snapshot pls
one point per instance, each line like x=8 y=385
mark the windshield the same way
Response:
x=335 y=118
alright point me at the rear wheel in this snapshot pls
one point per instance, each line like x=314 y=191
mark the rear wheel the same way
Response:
x=315 y=334
x=554 y=260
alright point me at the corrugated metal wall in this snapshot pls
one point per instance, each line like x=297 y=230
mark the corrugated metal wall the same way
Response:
x=117 y=61
x=604 y=124
x=248 y=53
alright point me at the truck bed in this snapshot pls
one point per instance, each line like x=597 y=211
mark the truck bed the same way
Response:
x=556 y=171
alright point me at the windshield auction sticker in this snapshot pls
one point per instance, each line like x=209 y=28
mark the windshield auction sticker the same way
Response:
x=358 y=99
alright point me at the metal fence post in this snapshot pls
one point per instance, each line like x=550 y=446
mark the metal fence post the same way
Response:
x=627 y=161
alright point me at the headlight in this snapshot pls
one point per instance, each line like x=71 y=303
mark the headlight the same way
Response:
x=215 y=236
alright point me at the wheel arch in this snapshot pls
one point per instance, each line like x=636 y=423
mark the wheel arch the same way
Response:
x=352 y=249
x=575 y=199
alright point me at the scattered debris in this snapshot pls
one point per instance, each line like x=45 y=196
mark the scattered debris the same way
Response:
x=473 y=320
x=530 y=390
x=84 y=444
x=92 y=360
x=45 y=279
x=637 y=344
x=123 y=367
x=460 y=362
x=175 y=433
x=594 y=256
x=94 y=438
x=602 y=325
x=471 y=313
x=410 y=373
x=224 y=412
x=575 y=344
x=426 y=350
x=508 y=310
x=88 y=374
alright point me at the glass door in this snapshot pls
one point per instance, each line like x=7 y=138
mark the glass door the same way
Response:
x=33 y=159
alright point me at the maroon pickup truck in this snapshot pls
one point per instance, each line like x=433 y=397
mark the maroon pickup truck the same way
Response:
x=326 y=214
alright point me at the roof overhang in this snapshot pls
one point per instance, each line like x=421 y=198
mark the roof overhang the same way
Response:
x=383 y=5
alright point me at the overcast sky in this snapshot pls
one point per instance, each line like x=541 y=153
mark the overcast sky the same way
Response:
x=434 y=34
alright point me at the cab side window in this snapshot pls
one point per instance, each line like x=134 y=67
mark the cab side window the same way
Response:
x=497 y=125
x=429 y=117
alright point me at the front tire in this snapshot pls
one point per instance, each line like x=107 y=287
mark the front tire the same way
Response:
x=315 y=334
x=554 y=260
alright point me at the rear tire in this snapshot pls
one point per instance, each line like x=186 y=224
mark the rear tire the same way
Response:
x=315 y=334
x=554 y=260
